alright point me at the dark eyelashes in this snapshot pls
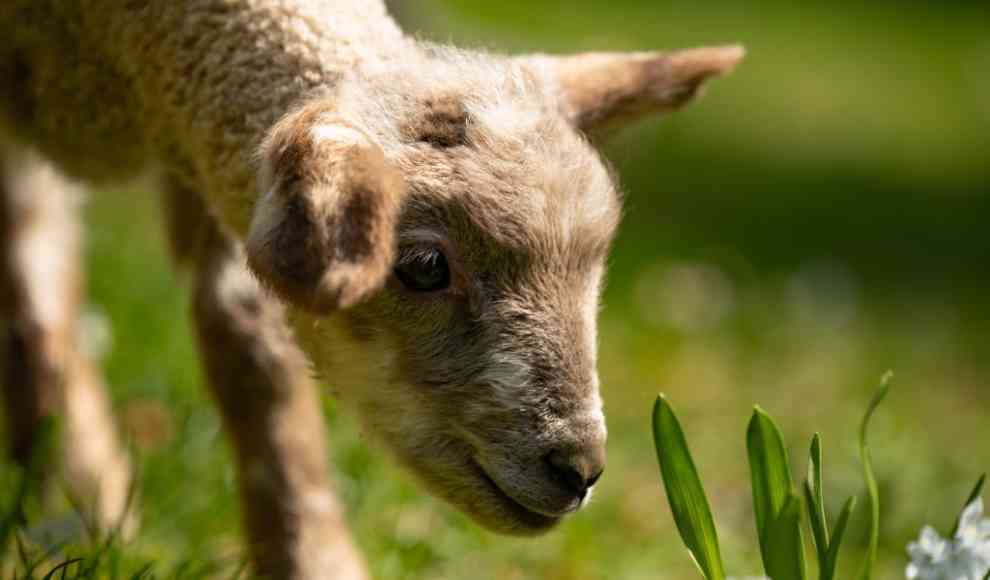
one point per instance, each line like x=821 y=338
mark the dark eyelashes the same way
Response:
x=418 y=255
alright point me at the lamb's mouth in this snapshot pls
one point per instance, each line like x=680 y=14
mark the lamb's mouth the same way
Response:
x=525 y=520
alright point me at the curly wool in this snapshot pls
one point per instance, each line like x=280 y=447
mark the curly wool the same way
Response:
x=109 y=89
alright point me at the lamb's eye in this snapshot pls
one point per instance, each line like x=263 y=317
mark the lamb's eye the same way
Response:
x=423 y=270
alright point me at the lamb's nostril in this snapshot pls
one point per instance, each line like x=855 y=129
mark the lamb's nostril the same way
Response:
x=569 y=478
x=574 y=473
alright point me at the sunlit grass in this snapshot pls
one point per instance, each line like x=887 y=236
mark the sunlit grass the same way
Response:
x=784 y=340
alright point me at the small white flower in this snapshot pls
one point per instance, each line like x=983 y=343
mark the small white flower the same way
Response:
x=974 y=529
x=964 y=557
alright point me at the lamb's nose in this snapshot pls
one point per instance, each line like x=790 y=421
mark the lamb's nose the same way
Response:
x=577 y=471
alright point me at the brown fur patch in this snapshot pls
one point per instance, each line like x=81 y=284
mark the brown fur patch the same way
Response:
x=442 y=124
x=295 y=247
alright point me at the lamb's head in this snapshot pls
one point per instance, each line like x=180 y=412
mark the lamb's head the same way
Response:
x=460 y=211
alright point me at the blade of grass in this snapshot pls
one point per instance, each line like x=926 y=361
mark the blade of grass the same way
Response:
x=770 y=474
x=685 y=492
x=785 y=558
x=15 y=513
x=113 y=564
x=21 y=550
x=42 y=558
x=817 y=526
x=61 y=568
x=816 y=500
x=832 y=559
x=29 y=480
x=873 y=493
x=977 y=490
x=144 y=570
x=239 y=570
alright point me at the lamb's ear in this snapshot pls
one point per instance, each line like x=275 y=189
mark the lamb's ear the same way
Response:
x=601 y=91
x=323 y=231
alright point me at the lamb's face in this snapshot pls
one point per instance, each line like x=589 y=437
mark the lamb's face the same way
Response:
x=476 y=363
x=454 y=222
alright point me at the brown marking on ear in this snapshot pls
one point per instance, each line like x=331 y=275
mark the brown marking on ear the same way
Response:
x=443 y=123
x=604 y=90
x=294 y=247
x=323 y=231
x=354 y=241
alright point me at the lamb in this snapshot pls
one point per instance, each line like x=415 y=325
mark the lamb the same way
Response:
x=424 y=228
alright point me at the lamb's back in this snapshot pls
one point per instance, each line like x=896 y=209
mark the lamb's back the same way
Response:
x=105 y=87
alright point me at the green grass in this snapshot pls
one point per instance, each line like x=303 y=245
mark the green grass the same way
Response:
x=819 y=218
x=777 y=346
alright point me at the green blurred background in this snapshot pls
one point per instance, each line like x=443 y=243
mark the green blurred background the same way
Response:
x=819 y=217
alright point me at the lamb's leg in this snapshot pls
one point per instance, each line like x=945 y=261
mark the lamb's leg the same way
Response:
x=45 y=373
x=269 y=404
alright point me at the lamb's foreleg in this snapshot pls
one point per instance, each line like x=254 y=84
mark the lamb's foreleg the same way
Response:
x=270 y=407
x=45 y=372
